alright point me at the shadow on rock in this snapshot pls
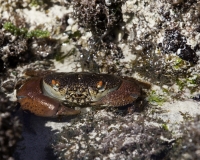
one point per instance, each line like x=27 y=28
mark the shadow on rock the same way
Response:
x=37 y=136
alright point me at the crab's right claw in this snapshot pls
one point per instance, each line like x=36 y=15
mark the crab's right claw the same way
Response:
x=66 y=111
x=31 y=98
x=44 y=106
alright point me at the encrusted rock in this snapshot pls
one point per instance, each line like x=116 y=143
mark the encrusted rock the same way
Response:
x=174 y=42
x=10 y=128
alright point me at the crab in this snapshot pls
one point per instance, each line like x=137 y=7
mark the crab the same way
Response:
x=45 y=93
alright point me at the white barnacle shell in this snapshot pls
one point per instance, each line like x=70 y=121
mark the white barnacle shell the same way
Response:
x=70 y=21
x=108 y=2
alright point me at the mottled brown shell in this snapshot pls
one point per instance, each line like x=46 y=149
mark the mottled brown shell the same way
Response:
x=43 y=95
x=126 y=94
x=80 y=88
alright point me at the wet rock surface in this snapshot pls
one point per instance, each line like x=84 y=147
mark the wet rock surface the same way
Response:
x=174 y=42
x=106 y=135
x=187 y=147
x=153 y=41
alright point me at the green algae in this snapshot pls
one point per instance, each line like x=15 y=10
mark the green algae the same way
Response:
x=38 y=34
x=37 y=2
x=165 y=127
x=10 y=27
x=14 y=29
x=156 y=99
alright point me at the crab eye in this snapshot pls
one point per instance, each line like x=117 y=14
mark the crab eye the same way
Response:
x=55 y=84
x=101 y=86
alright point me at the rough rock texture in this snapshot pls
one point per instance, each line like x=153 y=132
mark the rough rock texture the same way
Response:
x=18 y=46
x=155 y=41
x=113 y=136
x=174 y=42
x=188 y=146
x=10 y=128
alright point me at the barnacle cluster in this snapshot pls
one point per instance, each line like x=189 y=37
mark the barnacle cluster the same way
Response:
x=98 y=16
x=17 y=45
x=13 y=50
x=182 y=5
x=10 y=128
x=174 y=42
x=114 y=137
x=104 y=20
x=165 y=68
x=103 y=60
x=164 y=39
x=45 y=48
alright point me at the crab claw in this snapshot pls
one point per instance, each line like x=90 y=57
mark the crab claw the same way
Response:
x=126 y=94
x=31 y=98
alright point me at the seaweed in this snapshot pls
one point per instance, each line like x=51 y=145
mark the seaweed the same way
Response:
x=24 y=31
